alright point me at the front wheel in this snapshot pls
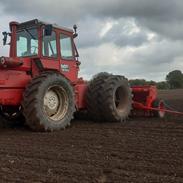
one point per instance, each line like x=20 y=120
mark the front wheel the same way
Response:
x=48 y=103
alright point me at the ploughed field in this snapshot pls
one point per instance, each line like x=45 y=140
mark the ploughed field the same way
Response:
x=139 y=150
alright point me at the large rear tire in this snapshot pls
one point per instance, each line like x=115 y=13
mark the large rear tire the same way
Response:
x=115 y=99
x=92 y=96
x=48 y=102
x=109 y=98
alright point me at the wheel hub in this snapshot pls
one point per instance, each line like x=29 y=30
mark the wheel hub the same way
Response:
x=51 y=100
x=55 y=103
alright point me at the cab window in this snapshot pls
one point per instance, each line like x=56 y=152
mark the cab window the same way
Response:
x=49 y=45
x=66 y=47
x=27 y=42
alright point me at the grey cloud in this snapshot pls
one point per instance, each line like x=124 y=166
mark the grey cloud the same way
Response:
x=90 y=29
x=151 y=58
x=161 y=16
x=168 y=29
x=122 y=37
x=151 y=61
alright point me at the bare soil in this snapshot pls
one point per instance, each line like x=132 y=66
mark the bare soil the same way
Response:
x=139 y=150
x=174 y=101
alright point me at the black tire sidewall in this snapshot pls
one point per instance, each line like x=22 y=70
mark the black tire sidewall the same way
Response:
x=107 y=99
x=45 y=121
x=127 y=108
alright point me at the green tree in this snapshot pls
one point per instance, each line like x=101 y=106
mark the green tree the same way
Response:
x=163 y=85
x=151 y=82
x=138 y=82
x=175 y=79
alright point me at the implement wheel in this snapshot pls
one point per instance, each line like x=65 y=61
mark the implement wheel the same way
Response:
x=158 y=103
x=48 y=102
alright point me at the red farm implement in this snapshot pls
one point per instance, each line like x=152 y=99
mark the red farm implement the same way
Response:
x=146 y=102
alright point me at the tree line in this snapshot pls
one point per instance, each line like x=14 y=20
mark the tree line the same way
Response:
x=174 y=80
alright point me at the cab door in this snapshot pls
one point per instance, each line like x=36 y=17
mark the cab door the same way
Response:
x=68 y=63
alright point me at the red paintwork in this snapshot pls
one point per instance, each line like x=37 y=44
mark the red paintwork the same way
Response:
x=143 y=98
x=11 y=96
x=8 y=62
x=144 y=94
x=80 y=91
x=140 y=106
x=14 y=76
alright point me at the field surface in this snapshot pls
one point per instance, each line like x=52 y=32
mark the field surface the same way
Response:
x=139 y=150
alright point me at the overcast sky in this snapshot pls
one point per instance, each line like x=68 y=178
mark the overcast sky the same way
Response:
x=135 y=38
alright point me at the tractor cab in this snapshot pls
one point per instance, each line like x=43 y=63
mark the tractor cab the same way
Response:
x=48 y=46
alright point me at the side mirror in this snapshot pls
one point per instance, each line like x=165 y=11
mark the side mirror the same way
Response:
x=75 y=31
x=48 y=30
x=5 y=34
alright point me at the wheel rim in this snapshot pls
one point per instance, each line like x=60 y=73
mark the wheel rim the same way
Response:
x=55 y=103
x=121 y=99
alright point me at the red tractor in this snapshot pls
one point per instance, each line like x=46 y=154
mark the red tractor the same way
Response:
x=39 y=80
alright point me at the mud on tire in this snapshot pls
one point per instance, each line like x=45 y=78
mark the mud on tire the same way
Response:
x=92 y=96
x=109 y=98
x=48 y=102
x=115 y=99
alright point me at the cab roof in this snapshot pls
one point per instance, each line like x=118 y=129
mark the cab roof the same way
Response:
x=35 y=22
